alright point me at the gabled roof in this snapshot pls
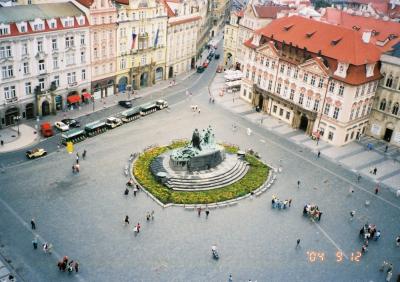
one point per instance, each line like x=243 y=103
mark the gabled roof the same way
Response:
x=268 y=11
x=383 y=29
x=170 y=13
x=337 y=42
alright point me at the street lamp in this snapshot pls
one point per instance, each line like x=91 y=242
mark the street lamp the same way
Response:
x=93 y=102
x=17 y=119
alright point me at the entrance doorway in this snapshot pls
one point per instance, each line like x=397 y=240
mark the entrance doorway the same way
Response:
x=10 y=114
x=123 y=81
x=29 y=110
x=388 y=134
x=170 y=72
x=303 y=123
x=260 y=102
x=159 y=74
x=45 y=108
x=193 y=63
x=143 y=79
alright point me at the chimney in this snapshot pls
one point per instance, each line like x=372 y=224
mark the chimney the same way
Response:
x=366 y=36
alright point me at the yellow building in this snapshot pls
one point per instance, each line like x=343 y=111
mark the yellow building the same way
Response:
x=141 y=48
x=220 y=14
x=230 y=39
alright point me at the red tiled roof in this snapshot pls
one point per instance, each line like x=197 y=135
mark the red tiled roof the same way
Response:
x=86 y=3
x=15 y=32
x=192 y=19
x=384 y=29
x=337 y=42
x=170 y=13
x=268 y=11
x=123 y=2
x=239 y=13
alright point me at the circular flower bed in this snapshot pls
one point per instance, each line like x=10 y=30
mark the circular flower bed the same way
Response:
x=254 y=178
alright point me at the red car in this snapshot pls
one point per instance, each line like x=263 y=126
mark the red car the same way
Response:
x=205 y=64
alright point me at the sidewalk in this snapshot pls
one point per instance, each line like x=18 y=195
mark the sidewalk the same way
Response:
x=12 y=141
x=354 y=156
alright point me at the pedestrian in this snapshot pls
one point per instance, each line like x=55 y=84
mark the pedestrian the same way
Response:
x=33 y=224
x=135 y=191
x=290 y=202
x=398 y=241
x=152 y=215
x=319 y=154
x=199 y=110
x=207 y=213
x=2 y=143
x=73 y=169
x=376 y=189
x=126 y=191
x=298 y=183
x=77 y=160
x=351 y=191
x=84 y=154
x=358 y=177
x=352 y=213
x=319 y=215
x=76 y=266
x=147 y=216
x=298 y=243
x=389 y=276
x=364 y=249
x=230 y=279
x=199 y=211
x=374 y=171
x=126 y=221
x=390 y=267
x=138 y=227
x=386 y=148
x=35 y=242
x=383 y=266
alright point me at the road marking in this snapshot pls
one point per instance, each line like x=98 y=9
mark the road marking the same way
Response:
x=330 y=239
x=41 y=239
x=327 y=170
x=262 y=140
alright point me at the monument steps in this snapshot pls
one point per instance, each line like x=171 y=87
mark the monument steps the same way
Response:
x=218 y=181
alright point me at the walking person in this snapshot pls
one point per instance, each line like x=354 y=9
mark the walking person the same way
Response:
x=298 y=183
x=76 y=266
x=126 y=191
x=374 y=171
x=152 y=215
x=319 y=154
x=352 y=213
x=377 y=189
x=207 y=213
x=126 y=221
x=84 y=154
x=298 y=243
x=199 y=211
x=290 y=202
x=35 y=242
x=358 y=177
x=138 y=227
x=386 y=148
x=33 y=224
x=389 y=276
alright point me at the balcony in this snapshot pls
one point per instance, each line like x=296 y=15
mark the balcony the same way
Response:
x=72 y=84
x=12 y=100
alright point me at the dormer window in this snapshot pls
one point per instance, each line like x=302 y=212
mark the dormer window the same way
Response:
x=4 y=30
x=38 y=27
x=336 y=41
x=369 y=70
x=52 y=24
x=22 y=27
x=68 y=22
x=81 y=21
x=310 y=34
x=341 y=69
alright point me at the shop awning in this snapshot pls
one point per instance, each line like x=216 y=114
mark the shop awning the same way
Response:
x=87 y=95
x=73 y=99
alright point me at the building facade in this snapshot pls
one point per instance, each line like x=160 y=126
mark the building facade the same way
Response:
x=142 y=34
x=385 y=117
x=231 y=39
x=44 y=58
x=102 y=17
x=182 y=32
x=317 y=77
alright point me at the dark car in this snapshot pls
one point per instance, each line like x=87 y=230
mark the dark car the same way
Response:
x=217 y=56
x=71 y=122
x=126 y=104
x=200 y=69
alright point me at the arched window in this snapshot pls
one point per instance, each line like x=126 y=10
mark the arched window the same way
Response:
x=382 y=106
x=395 y=109
x=395 y=82
x=389 y=81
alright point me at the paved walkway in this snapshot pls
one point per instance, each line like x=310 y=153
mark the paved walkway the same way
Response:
x=14 y=141
x=353 y=156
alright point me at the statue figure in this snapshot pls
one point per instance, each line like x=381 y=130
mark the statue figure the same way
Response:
x=196 y=139
x=206 y=138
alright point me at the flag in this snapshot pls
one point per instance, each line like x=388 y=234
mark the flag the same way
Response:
x=133 y=40
x=156 y=40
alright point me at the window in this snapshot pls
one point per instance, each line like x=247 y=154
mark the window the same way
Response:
x=282 y=69
x=346 y=138
x=54 y=44
x=362 y=90
x=4 y=31
x=308 y=102
x=382 y=105
x=70 y=58
x=71 y=78
x=40 y=46
x=285 y=91
x=26 y=67
x=9 y=92
x=395 y=109
x=289 y=70
x=7 y=71
x=24 y=49
x=56 y=80
x=296 y=73
x=327 y=109
x=316 y=105
x=82 y=39
x=41 y=84
x=330 y=135
x=53 y=25
x=274 y=109
x=258 y=79
x=369 y=109
x=37 y=27
x=281 y=112
x=55 y=63
x=301 y=98
x=357 y=91
x=23 y=28
x=287 y=115
x=352 y=135
x=5 y=52
x=253 y=75
x=363 y=110
x=352 y=114
x=247 y=73
x=96 y=54
x=41 y=65
x=291 y=97
x=111 y=66
x=83 y=75
x=331 y=86
x=312 y=82
x=336 y=113
x=267 y=63
x=305 y=78
x=369 y=87
x=69 y=41
x=270 y=85
x=321 y=83
x=341 y=90
x=357 y=112
x=83 y=57
x=28 y=88
x=278 y=88
x=143 y=60
x=103 y=51
x=273 y=65
x=389 y=81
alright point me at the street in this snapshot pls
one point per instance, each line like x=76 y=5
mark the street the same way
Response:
x=82 y=214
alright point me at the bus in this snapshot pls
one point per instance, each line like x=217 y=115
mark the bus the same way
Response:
x=95 y=128
x=74 y=135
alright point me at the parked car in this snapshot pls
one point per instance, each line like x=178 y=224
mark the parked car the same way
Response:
x=217 y=56
x=113 y=122
x=125 y=103
x=35 y=153
x=71 y=122
x=46 y=129
x=200 y=69
x=61 y=126
x=205 y=64
x=220 y=69
x=161 y=104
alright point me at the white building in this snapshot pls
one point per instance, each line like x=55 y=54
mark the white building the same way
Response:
x=44 y=58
